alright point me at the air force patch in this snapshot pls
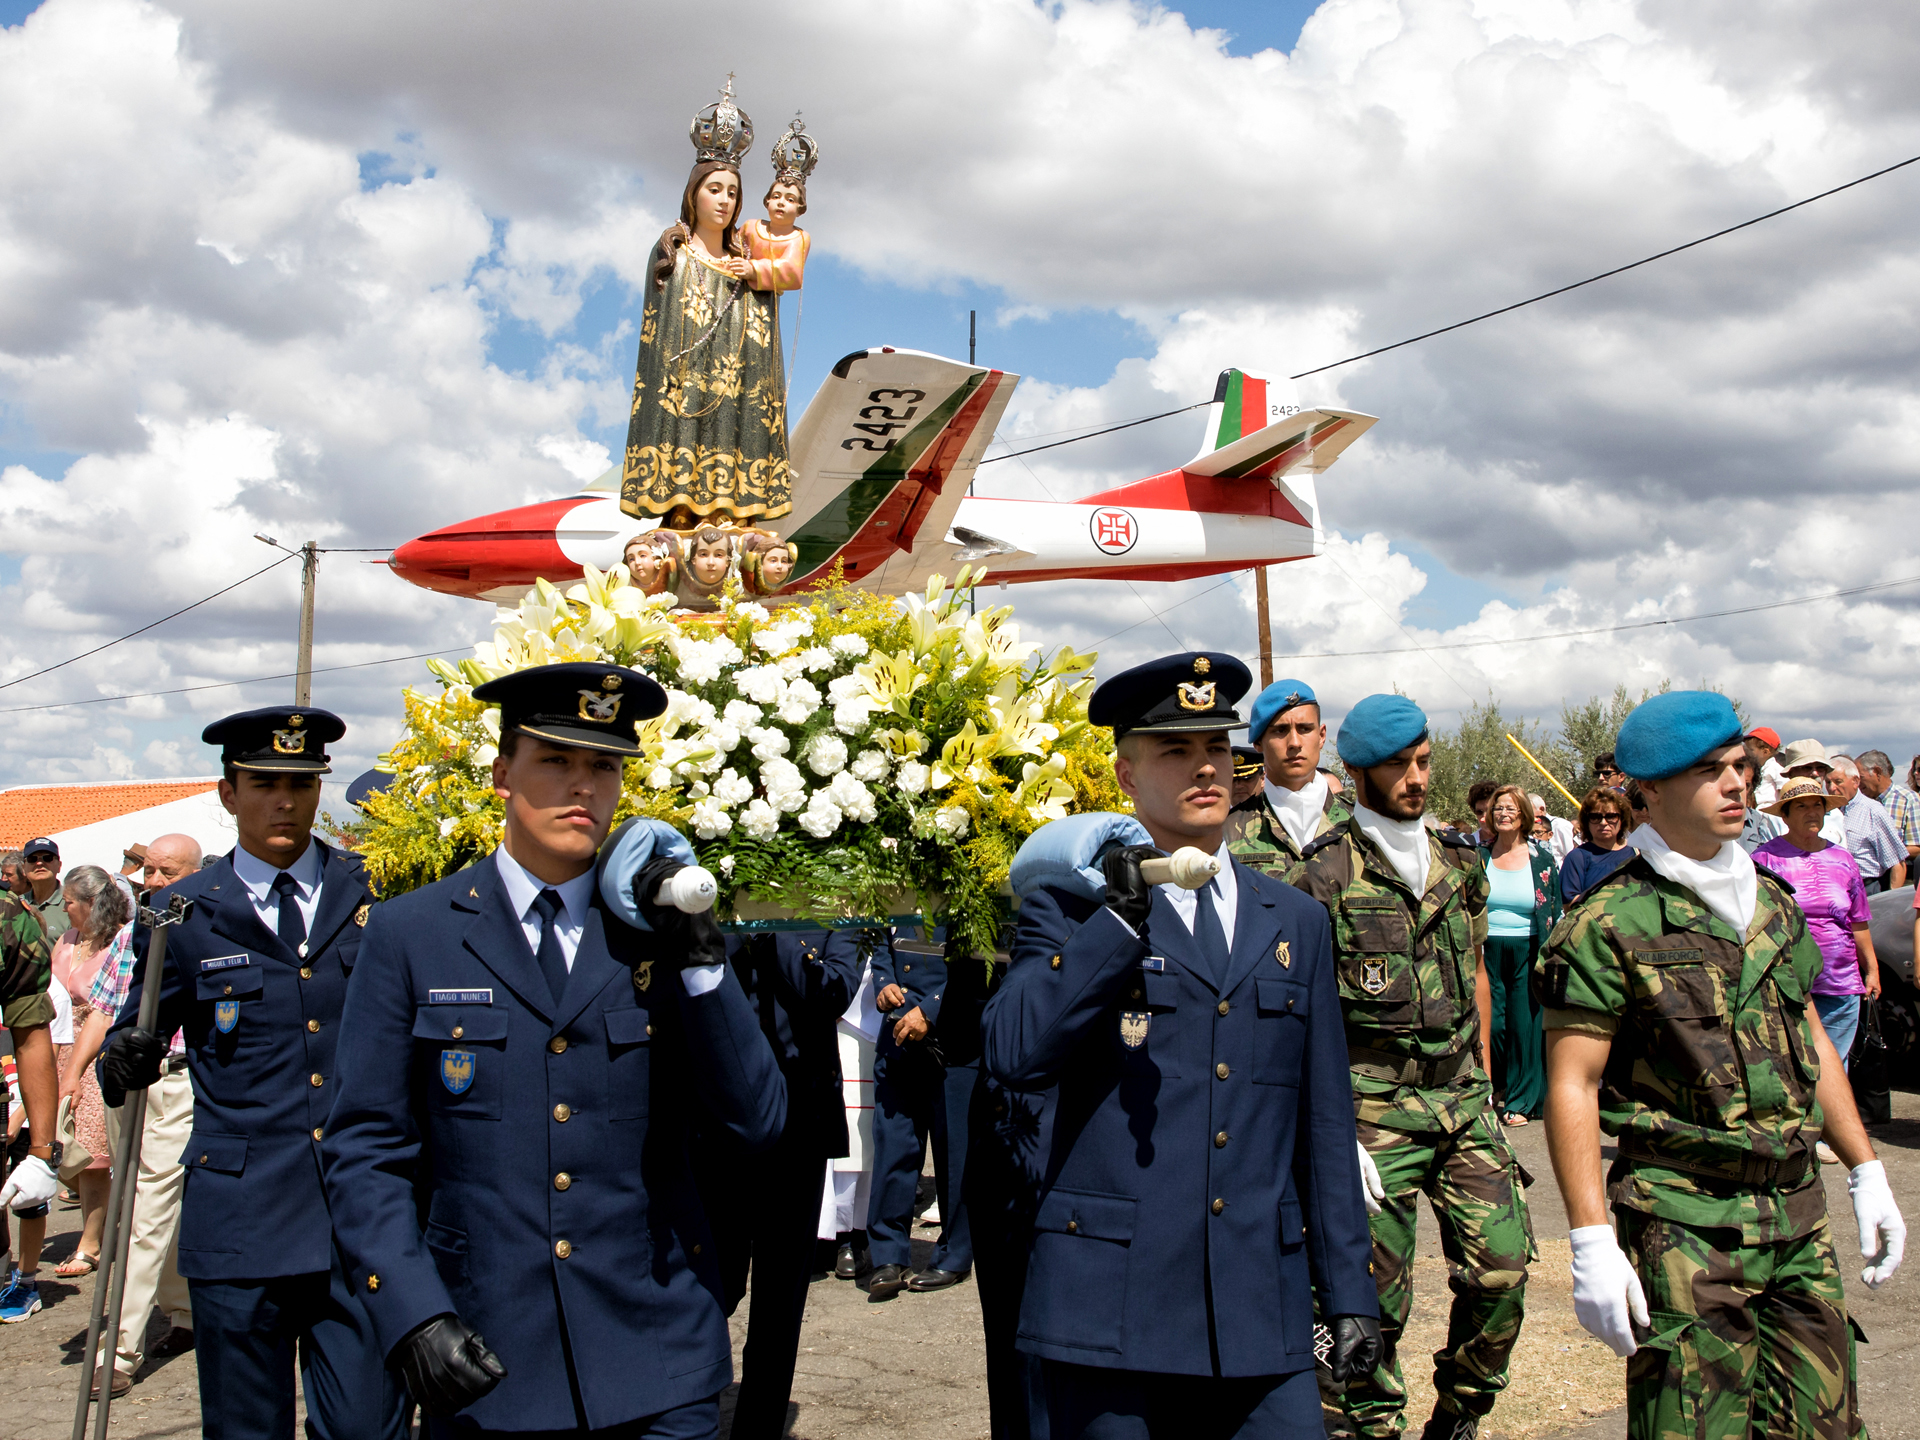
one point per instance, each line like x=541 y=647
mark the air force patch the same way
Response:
x=1283 y=952
x=1133 y=1028
x=226 y=1015
x=456 y=1070
x=1373 y=976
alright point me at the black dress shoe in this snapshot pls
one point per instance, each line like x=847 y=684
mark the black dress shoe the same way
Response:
x=931 y=1279
x=887 y=1281
x=179 y=1341
x=850 y=1264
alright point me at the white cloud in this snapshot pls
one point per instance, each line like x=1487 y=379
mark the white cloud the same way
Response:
x=201 y=298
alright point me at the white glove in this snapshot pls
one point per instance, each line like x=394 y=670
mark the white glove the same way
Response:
x=32 y=1183
x=1606 y=1293
x=1371 y=1189
x=1883 y=1234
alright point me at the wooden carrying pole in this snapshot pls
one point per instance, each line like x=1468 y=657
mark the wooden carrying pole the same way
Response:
x=1546 y=772
x=112 y=1274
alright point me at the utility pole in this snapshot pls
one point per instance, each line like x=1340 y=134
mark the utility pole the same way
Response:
x=1266 y=625
x=309 y=569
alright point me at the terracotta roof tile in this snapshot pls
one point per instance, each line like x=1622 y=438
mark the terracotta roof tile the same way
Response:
x=33 y=810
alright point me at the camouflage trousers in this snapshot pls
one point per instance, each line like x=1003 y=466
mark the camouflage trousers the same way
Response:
x=1746 y=1339
x=1472 y=1180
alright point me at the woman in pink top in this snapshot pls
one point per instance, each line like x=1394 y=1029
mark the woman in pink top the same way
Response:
x=97 y=909
x=1826 y=884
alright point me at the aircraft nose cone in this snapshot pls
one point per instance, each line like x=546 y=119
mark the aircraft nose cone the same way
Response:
x=508 y=549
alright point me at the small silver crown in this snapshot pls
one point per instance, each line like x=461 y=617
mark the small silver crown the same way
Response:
x=795 y=153
x=722 y=131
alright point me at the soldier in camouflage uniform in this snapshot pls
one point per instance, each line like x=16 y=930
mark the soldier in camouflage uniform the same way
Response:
x=1409 y=917
x=26 y=1009
x=1678 y=1016
x=1295 y=805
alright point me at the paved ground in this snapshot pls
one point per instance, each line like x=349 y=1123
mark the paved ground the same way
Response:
x=909 y=1367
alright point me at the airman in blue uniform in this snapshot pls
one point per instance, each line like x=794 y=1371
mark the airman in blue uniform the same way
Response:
x=1203 y=1179
x=524 y=1076
x=765 y=1207
x=257 y=979
x=920 y=1096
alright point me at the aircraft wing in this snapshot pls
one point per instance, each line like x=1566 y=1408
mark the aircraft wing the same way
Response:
x=883 y=457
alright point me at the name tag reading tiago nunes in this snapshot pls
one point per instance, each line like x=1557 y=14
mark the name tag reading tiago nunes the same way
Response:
x=459 y=997
x=225 y=962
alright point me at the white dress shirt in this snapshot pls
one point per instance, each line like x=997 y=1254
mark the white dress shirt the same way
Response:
x=524 y=887
x=258 y=876
x=1224 y=889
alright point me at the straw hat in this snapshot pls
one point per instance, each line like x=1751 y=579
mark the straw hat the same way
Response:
x=1803 y=787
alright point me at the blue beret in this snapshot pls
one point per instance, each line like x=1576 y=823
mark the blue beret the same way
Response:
x=1672 y=731
x=1378 y=728
x=1276 y=700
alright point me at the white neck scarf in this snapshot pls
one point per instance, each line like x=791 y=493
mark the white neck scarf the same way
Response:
x=1726 y=884
x=1299 y=811
x=1404 y=842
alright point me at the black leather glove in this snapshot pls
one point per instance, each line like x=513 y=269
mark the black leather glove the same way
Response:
x=1356 y=1347
x=446 y=1366
x=131 y=1061
x=700 y=938
x=1128 y=896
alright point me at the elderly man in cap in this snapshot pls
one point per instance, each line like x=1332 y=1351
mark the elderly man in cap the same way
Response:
x=1202 y=1182
x=1295 y=802
x=1680 y=1021
x=256 y=977
x=1409 y=908
x=529 y=1055
x=40 y=868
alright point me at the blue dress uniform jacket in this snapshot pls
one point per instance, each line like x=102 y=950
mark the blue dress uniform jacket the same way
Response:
x=262 y=1030
x=923 y=977
x=525 y=1164
x=800 y=985
x=1203 y=1146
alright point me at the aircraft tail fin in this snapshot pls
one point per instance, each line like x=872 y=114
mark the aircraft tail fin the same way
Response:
x=1251 y=436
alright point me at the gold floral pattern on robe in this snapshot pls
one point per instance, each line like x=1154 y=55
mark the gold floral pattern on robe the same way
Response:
x=709 y=420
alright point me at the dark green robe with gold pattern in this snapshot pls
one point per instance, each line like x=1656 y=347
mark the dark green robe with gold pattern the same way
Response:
x=709 y=426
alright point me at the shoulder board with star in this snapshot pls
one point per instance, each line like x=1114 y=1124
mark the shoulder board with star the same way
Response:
x=1322 y=842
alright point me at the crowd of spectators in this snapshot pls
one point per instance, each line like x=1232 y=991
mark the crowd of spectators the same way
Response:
x=87 y=917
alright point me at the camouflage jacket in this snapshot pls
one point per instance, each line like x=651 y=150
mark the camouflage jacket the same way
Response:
x=1408 y=971
x=1258 y=840
x=1709 y=1086
x=26 y=965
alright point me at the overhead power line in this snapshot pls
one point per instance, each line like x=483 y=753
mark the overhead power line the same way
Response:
x=223 y=684
x=9 y=684
x=1606 y=274
x=1488 y=315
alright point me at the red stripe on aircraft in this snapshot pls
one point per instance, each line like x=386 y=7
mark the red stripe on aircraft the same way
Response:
x=1205 y=494
x=1253 y=405
x=474 y=556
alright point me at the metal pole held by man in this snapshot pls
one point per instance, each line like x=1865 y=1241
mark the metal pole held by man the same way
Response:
x=126 y=1164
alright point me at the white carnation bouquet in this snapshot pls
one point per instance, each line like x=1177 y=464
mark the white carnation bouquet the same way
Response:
x=852 y=758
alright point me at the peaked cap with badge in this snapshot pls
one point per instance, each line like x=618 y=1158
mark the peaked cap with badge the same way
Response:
x=280 y=739
x=1174 y=695
x=593 y=707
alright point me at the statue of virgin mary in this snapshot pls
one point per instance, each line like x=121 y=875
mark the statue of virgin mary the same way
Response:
x=708 y=433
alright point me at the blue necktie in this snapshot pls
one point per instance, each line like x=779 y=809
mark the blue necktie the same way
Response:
x=1207 y=932
x=553 y=960
x=292 y=927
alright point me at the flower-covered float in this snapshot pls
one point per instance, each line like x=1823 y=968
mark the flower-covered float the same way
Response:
x=850 y=757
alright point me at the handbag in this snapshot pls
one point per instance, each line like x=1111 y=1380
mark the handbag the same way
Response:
x=74 y=1157
x=1867 y=1067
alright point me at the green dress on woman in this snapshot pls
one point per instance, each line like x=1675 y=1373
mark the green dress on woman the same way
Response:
x=708 y=434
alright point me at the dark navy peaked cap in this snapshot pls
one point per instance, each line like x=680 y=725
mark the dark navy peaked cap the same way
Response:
x=1173 y=695
x=280 y=739
x=595 y=707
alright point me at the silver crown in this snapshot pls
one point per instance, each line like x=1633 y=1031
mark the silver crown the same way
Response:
x=795 y=153
x=722 y=131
